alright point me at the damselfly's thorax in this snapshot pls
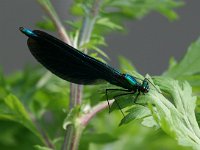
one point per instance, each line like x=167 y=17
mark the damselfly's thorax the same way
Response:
x=134 y=85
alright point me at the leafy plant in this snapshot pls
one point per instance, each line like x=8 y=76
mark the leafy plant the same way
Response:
x=36 y=108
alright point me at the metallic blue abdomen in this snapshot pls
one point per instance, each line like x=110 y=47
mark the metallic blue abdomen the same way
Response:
x=131 y=80
x=27 y=32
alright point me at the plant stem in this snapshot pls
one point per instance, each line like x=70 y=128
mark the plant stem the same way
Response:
x=70 y=130
x=88 y=23
x=45 y=139
x=68 y=137
x=72 y=95
x=72 y=137
x=84 y=37
x=50 y=11
x=84 y=120
x=76 y=138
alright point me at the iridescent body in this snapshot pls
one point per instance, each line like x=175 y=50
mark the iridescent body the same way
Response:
x=136 y=86
x=27 y=32
x=74 y=66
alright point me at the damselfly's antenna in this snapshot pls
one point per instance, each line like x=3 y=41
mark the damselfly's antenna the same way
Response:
x=153 y=85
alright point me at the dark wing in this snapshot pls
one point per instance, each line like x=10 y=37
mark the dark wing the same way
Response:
x=69 y=63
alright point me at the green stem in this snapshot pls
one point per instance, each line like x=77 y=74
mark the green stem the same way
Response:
x=76 y=138
x=88 y=23
x=84 y=120
x=45 y=139
x=68 y=138
x=72 y=137
x=84 y=37
x=50 y=11
x=85 y=34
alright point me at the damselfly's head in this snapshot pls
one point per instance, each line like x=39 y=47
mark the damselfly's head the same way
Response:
x=145 y=86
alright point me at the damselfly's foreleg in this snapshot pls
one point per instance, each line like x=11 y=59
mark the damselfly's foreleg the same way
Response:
x=125 y=90
x=123 y=94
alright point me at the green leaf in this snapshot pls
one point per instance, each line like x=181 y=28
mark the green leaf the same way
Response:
x=4 y=89
x=109 y=24
x=126 y=64
x=198 y=117
x=170 y=14
x=137 y=112
x=120 y=102
x=172 y=62
x=194 y=81
x=77 y=9
x=15 y=111
x=149 y=122
x=46 y=24
x=71 y=117
x=100 y=138
x=188 y=68
x=177 y=116
x=95 y=40
x=101 y=52
x=119 y=3
x=95 y=55
x=38 y=147
x=189 y=65
x=17 y=108
x=74 y=24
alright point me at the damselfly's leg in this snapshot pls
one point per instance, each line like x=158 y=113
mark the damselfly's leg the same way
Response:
x=125 y=90
x=136 y=98
x=118 y=103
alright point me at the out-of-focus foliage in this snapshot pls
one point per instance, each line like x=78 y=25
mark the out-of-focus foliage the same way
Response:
x=188 y=68
x=35 y=99
x=33 y=102
x=131 y=136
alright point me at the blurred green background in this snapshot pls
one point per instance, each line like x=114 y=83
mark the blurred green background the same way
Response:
x=34 y=103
